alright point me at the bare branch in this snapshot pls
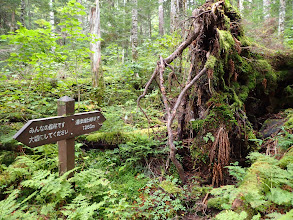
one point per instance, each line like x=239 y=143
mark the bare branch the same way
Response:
x=145 y=92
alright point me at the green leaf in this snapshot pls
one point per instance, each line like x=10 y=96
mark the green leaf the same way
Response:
x=280 y=196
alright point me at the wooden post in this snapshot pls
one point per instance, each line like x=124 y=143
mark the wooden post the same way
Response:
x=66 y=147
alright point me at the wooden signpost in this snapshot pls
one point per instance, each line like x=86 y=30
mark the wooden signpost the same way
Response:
x=63 y=128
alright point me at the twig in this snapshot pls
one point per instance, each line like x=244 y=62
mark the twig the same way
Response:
x=205 y=198
x=145 y=92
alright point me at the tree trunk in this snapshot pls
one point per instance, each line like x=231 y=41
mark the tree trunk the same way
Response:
x=241 y=7
x=134 y=38
x=125 y=41
x=22 y=14
x=282 y=17
x=12 y=24
x=52 y=15
x=95 y=46
x=161 y=17
x=79 y=16
x=149 y=19
x=29 y=15
x=181 y=6
x=173 y=15
x=266 y=9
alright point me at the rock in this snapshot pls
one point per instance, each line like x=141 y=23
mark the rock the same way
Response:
x=271 y=126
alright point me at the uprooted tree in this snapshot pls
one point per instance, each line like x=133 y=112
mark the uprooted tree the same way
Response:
x=212 y=99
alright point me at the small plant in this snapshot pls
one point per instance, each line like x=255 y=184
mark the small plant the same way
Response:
x=208 y=137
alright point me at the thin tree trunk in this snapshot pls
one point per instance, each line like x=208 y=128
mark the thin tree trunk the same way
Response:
x=12 y=25
x=79 y=16
x=266 y=9
x=22 y=14
x=161 y=17
x=241 y=7
x=95 y=45
x=173 y=15
x=29 y=15
x=134 y=37
x=125 y=41
x=150 y=25
x=282 y=17
x=52 y=15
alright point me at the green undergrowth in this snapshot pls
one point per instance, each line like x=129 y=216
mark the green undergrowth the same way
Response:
x=111 y=184
x=264 y=189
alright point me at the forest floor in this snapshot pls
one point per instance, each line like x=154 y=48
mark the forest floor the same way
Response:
x=121 y=170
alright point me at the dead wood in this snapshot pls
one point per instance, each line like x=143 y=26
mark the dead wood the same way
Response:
x=204 y=25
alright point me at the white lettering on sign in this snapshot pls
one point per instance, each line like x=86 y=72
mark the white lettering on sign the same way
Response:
x=86 y=120
x=87 y=127
x=41 y=137
x=48 y=127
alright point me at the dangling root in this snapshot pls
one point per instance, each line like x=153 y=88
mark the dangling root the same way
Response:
x=221 y=146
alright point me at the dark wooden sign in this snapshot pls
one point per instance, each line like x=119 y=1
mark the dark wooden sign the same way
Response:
x=63 y=129
x=50 y=130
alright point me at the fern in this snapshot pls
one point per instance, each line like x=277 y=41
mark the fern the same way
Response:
x=230 y=215
x=237 y=171
x=50 y=186
x=263 y=184
x=91 y=183
x=80 y=208
x=281 y=197
x=9 y=205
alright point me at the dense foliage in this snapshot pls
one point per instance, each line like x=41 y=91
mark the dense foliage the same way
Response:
x=123 y=170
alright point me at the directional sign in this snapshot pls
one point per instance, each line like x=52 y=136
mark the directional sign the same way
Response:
x=49 y=130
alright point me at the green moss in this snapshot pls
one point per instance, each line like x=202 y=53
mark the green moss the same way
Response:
x=118 y=137
x=111 y=138
x=287 y=159
x=226 y=40
x=227 y=22
x=217 y=202
x=228 y=5
x=170 y=187
x=289 y=123
x=211 y=62
x=263 y=66
x=231 y=215
x=244 y=93
x=245 y=42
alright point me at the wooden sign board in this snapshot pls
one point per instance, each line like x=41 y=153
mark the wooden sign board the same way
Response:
x=50 y=130
x=62 y=129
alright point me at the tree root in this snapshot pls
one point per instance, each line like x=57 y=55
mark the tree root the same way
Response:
x=203 y=20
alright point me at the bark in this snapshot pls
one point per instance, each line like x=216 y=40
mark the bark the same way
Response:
x=12 y=24
x=173 y=15
x=282 y=12
x=52 y=15
x=266 y=9
x=150 y=25
x=95 y=45
x=134 y=35
x=161 y=18
x=79 y=16
x=241 y=6
x=22 y=14
x=29 y=15
x=181 y=6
